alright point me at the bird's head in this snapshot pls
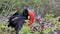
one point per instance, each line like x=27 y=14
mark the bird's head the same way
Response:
x=26 y=13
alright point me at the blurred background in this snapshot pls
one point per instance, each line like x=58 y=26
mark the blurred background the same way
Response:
x=47 y=16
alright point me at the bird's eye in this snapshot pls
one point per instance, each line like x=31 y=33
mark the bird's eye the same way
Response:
x=28 y=17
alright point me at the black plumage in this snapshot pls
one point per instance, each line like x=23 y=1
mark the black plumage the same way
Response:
x=16 y=21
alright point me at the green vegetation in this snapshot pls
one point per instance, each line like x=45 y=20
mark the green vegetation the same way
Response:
x=49 y=9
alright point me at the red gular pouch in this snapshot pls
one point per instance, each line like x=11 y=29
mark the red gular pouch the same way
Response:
x=31 y=14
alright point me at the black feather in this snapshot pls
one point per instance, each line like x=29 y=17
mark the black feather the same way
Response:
x=18 y=22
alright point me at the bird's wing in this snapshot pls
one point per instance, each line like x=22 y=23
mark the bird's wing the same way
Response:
x=20 y=24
